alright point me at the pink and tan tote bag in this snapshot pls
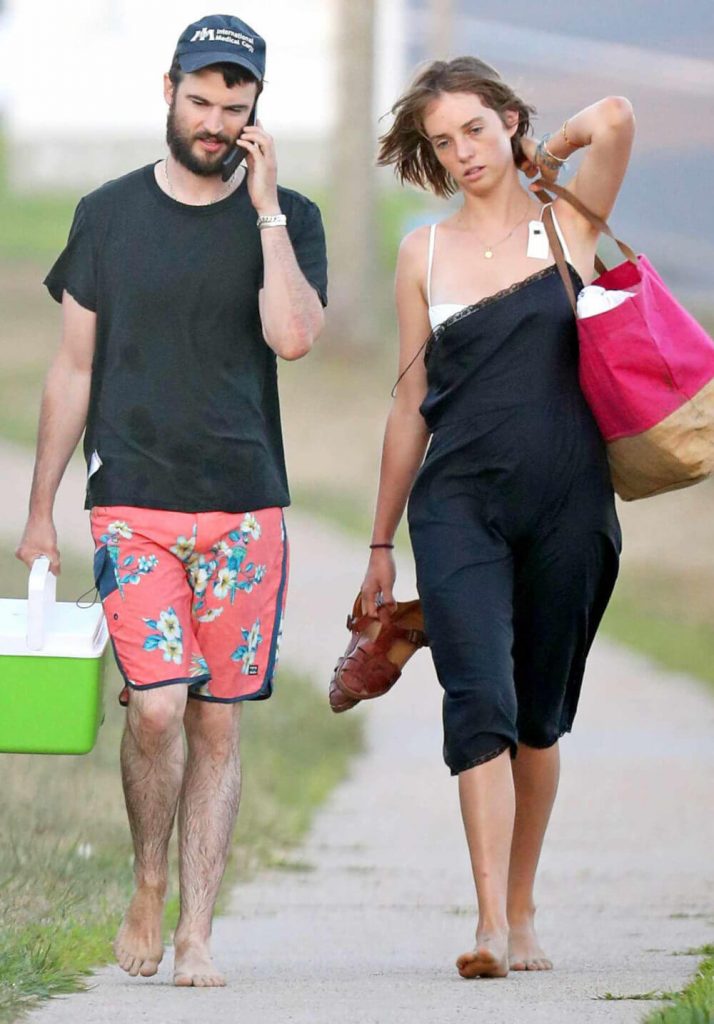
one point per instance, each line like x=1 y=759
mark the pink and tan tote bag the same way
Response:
x=647 y=373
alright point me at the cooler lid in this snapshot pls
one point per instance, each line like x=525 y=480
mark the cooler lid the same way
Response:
x=69 y=631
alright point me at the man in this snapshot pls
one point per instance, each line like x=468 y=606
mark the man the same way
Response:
x=175 y=305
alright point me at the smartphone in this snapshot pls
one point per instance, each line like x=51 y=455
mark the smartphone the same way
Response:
x=237 y=153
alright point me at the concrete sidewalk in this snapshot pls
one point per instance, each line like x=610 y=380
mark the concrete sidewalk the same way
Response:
x=366 y=924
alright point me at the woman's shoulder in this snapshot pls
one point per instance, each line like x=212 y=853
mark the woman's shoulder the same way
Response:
x=416 y=240
x=414 y=246
x=419 y=237
x=413 y=251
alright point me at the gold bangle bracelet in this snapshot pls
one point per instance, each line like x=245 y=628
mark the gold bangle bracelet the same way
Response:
x=565 y=134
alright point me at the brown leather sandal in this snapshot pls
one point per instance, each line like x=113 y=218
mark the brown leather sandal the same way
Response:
x=378 y=650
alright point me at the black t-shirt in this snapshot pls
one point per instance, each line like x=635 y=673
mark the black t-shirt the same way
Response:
x=183 y=409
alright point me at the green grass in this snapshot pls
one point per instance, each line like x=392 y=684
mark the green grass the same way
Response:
x=609 y=997
x=655 y=612
x=35 y=226
x=399 y=210
x=695 y=1005
x=350 y=512
x=65 y=853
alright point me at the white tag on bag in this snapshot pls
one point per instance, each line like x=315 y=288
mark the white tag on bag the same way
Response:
x=538 y=247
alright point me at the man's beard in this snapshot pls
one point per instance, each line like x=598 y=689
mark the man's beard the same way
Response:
x=180 y=145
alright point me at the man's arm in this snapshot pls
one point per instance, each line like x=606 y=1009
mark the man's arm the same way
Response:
x=290 y=308
x=63 y=416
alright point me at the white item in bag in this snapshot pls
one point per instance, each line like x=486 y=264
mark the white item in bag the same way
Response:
x=593 y=300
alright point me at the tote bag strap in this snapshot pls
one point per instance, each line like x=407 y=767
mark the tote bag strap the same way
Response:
x=597 y=222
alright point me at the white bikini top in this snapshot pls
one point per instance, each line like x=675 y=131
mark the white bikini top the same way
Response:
x=443 y=310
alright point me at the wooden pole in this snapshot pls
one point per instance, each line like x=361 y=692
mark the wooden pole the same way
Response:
x=353 y=237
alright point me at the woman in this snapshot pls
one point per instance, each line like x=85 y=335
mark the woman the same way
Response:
x=511 y=512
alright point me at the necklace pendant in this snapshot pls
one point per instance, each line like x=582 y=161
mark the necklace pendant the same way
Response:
x=488 y=254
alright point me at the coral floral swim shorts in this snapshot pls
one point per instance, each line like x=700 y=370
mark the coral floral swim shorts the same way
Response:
x=193 y=598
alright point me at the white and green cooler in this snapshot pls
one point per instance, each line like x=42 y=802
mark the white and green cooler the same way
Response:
x=51 y=670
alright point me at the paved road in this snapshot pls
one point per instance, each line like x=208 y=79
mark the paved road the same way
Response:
x=365 y=926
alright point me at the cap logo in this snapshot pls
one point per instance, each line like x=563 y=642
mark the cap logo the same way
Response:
x=223 y=35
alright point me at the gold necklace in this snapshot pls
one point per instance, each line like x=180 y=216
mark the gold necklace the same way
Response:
x=488 y=249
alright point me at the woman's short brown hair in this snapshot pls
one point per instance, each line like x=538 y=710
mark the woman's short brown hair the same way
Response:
x=406 y=146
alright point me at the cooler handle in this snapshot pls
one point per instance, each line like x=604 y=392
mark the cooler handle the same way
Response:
x=41 y=595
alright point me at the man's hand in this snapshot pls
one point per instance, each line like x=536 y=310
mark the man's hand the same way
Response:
x=262 y=168
x=39 y=538
x=63 y=417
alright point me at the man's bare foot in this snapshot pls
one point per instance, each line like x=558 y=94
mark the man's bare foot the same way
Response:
x=138 y=946
x=193 y=965
x=488 y=960
x=524 y=951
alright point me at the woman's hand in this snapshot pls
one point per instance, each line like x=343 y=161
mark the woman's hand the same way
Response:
x=378 y=583
x=532 y=163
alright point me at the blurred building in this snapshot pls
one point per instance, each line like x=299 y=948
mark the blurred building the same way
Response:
x=83 y=82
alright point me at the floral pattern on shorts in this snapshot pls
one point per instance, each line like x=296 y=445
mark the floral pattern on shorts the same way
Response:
x=247 y=651
x=228 y=570
x=210 y=610
x=128 y=569
x=169 y=636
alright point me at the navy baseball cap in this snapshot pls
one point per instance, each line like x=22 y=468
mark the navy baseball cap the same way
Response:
x=220 y=38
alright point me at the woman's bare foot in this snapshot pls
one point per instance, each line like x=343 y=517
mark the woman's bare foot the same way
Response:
x=524 y=951
x=488 y=960
x=138 y=946
x=193 y=965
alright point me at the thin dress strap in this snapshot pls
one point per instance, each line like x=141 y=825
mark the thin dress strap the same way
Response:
x=566 y=251
x=430 y=260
